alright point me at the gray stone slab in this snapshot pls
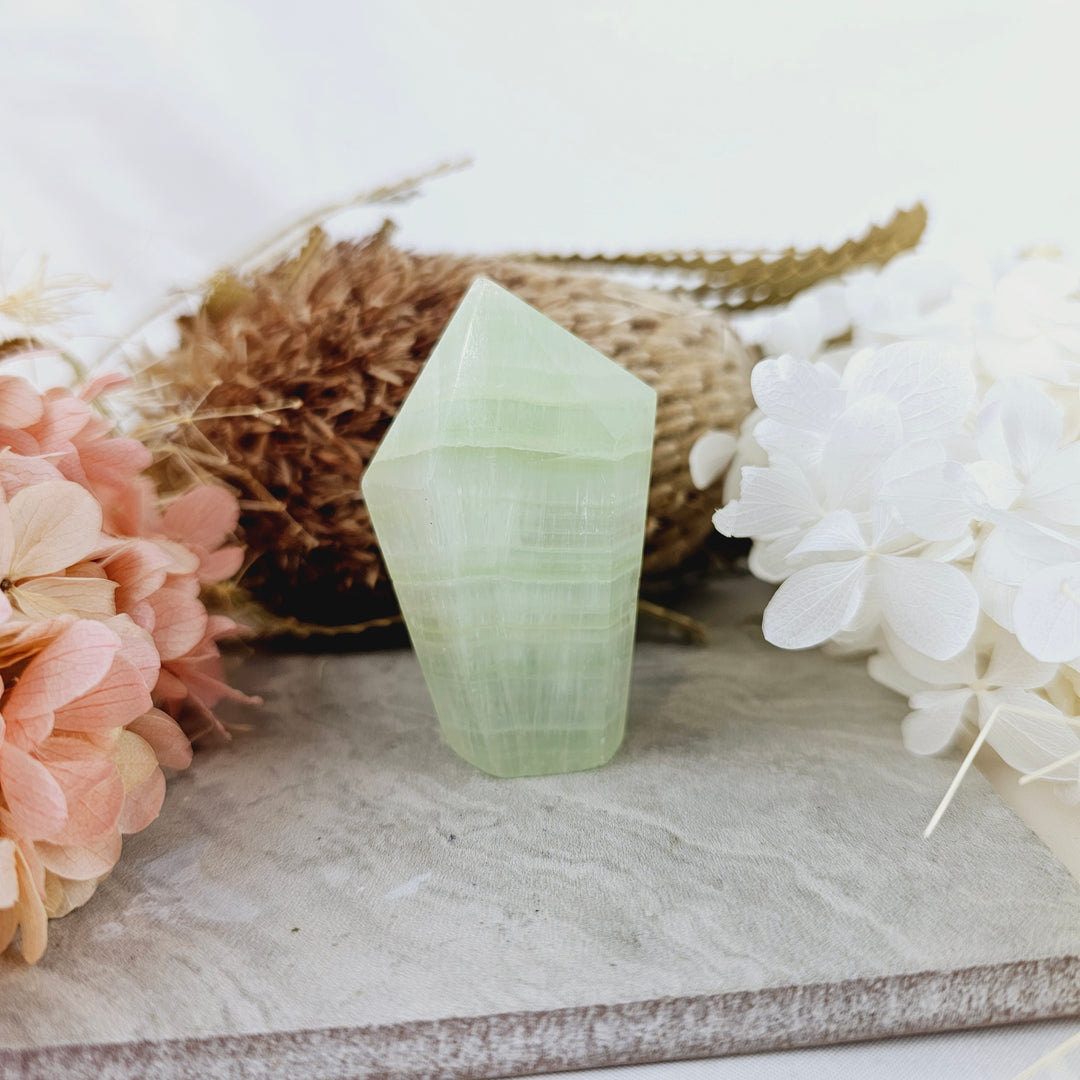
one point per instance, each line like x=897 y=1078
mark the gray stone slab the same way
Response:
x=339 y=893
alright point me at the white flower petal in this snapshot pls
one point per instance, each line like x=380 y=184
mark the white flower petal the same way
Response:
x=1000 y=486
x=863 y=437
x=768 y=560
x=1018 y=426
x=773 y=501
x=814 y=604
x=799 y=330
x=1011 y=665
x=995 y=599
x=796 y=392
x=833 y=311
x=1028 y=732
x=1012 y=551
x=883 y=667
x=1047 y=613
x=48 y=597
x=933 y=724
x=960 y=670
x=1054 y=490
x=930 y=606
x=932 y=384
x=835 y=532
x=710 y=455
x=913 y=457
x=779 y=440
x=937 y=502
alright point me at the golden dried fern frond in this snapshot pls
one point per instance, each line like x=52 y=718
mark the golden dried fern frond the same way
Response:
x=742 y=280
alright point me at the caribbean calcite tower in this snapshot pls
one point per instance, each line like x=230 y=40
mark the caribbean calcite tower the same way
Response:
x=508 y=497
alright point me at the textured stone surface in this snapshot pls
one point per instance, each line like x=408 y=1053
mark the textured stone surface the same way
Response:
x=753 y=848
x=509 y=501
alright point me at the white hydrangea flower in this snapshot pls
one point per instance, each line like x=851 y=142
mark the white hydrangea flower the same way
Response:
x=967 y=689
x=1034 y=324
x=917 y=495
x=870 y=576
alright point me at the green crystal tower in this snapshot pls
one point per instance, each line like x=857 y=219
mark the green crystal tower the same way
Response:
x=508 y=497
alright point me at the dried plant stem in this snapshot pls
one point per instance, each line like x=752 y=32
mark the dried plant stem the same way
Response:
x=281 y=240
x=405 y=189
x=278 y=626
x=976 y=745
x=1046 y=770
x=693 y=629
x=980 y=738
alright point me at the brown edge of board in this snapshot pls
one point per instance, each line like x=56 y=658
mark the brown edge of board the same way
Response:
x=583 y=1037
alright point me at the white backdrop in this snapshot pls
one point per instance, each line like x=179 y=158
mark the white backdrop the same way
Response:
x=144 y=143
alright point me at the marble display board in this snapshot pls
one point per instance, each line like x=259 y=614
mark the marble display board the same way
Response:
x=338 y=896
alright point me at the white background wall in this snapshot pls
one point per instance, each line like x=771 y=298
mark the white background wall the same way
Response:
x=145 y=142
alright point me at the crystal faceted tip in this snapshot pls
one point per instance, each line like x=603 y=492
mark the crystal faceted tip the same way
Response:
x=508 y=497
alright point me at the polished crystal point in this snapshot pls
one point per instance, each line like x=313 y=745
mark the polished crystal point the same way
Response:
x=509 y=497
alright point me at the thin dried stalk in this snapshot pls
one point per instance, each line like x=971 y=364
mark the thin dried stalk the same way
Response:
x=691 y=628
x=278 y=245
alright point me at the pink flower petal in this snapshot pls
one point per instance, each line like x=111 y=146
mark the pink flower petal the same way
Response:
x=220 y=565
x=133 y=511
x=92 y=787
x=139 y=569
x=102 y=383
x=221 y=626
x=182 y=559
x=137 y=646
x=22 y=442
x=169 y=688
x=65 y=416
x=163 y=733
x=143 y=804
x=205 y=680
x=65 y=670
x=55 y=525
x=114 y=459
x=203 y=517
x=117 y=700
x=135 y=759
x=20 y=403
x=83 y=862
x=21 y=639
x=18 y=471
x=142 y=615
x=35 y=799
x=179 y=621
x=63 y=895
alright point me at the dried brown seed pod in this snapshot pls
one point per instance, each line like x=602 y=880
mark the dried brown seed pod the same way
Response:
x=283 y=384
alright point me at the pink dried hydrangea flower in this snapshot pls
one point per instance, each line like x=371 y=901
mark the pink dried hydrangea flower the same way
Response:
x=104 y=647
